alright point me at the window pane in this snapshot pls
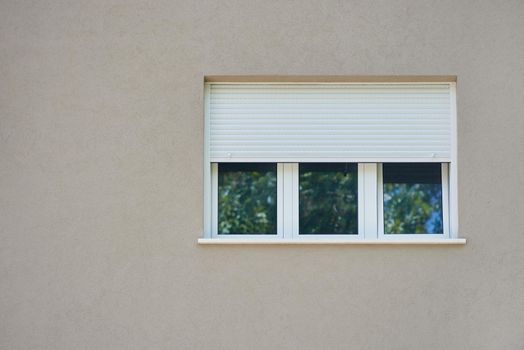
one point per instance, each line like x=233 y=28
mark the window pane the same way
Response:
x=247 y=198
x=328 y=198
x=412 y=198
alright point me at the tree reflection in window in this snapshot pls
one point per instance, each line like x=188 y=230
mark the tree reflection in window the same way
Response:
x=247 y=198
x=412 y=198
x=328 y=202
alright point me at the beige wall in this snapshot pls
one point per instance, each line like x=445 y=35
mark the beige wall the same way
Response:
x=101 y=141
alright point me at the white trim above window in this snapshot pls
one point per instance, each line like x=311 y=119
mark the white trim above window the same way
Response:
x=367 y=124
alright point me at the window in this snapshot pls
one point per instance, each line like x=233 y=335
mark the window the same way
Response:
x=412 y=198
x=328 y=198
x=337 y=162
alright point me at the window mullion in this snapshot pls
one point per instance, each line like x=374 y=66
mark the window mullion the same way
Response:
x=380 y=201
x=287 y=199
x=281 y=215
x=370 y=207
x=361 y=201
x=445 y=200
x=295 y=199
x=214 y=199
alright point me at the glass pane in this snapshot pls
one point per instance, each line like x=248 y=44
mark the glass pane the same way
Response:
x=412 y=198
x=328 y=201
x=247 y=198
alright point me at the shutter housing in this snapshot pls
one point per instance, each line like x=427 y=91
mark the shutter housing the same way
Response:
x=353 y=122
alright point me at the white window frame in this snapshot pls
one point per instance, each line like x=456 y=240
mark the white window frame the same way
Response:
x=280 y=208
x=287 y=208
x=370 y=202
x=426 y=236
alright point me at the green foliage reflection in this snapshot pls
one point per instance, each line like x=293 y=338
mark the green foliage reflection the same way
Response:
x=247 y=199
x=328 y=199
x=412 y=208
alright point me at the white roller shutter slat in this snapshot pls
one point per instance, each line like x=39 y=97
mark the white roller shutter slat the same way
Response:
x=332 y=122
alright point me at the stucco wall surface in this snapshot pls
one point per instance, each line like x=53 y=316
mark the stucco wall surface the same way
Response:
x=101 y=143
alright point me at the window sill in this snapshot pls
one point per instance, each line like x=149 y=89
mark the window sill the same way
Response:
x=271 y=241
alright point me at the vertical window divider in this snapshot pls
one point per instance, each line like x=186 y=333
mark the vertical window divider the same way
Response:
x=214 y=199
x=281 y=214
x=361 y=201
x=445 y=200
x=371 y=202
x=380 y=202
x=287 y=200
x=295 y=199
x=289 y=197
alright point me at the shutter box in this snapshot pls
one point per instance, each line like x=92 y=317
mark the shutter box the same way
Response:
x=313 y=122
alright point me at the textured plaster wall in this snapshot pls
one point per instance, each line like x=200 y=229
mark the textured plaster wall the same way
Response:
x=101 y=142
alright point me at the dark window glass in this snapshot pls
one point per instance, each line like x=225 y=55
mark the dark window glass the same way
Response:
x=328 y=202
x=412 y=198
x=247 y=198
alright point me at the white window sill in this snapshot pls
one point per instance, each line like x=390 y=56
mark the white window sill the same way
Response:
x=400 y=241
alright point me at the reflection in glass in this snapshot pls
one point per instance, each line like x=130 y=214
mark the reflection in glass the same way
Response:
x=247 y=198
x=412 y=198
x=328 y=198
